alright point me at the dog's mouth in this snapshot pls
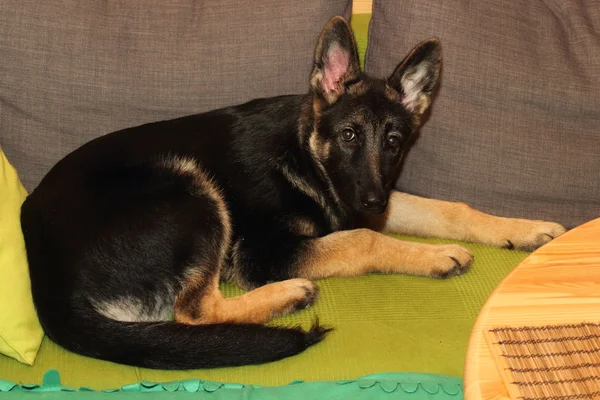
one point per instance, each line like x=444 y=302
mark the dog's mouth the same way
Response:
x=373 y=206
x=373 y=209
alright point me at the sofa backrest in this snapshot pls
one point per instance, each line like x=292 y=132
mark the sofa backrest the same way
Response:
x=74 y=70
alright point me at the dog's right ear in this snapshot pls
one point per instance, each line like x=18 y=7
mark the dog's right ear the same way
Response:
x=336 y=61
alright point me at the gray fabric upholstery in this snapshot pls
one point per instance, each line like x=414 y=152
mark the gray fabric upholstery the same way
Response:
x=73 y=70
x=515 y=128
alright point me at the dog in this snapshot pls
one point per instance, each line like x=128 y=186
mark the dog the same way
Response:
x=128 y=236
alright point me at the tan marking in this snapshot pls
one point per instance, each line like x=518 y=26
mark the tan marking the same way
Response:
x=358 y=88
x=315 y=146
x=303 y=186
x=187 y=301
x=317 y=108
x=303 y=227
x=182 y=165
x=360 y=251
x=413 y=215
x=306 y=119
x=316 y=150
x=315 y=82
x=392 y=94
x=319 y=151
x=231 y=269
x=204 y=186
x=257 y=306
x=311 y=192
x=325 y=151
x=423 y=104
x=416 y=122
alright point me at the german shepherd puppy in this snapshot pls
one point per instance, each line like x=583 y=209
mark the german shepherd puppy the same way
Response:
x=136 y=228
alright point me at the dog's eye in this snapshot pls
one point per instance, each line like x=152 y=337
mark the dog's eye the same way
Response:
x=348 y=135
x=393 y=141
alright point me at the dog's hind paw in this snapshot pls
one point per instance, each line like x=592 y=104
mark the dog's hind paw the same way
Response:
x=295 y=294
x=311 y=292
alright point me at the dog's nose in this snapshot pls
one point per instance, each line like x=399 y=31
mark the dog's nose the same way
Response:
x=374 y=202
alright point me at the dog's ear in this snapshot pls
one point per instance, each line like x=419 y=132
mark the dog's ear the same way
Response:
x=416 y=76
x=336 y=61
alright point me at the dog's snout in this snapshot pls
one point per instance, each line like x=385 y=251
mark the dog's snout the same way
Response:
x=374 y=201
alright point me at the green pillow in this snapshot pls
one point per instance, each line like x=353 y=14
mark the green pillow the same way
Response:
x=20 y=330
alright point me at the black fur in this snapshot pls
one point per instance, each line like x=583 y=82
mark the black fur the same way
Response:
x=109 y=221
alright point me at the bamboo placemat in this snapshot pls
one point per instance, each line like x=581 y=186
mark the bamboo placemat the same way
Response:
x=558 y=362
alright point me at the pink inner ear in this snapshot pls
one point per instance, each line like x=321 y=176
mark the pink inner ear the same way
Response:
x=335 y=66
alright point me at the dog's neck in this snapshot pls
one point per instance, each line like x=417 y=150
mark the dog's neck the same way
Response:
x=308 y=171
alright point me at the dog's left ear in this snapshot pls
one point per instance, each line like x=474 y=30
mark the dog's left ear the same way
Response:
x=416 y=76
x=336 y=61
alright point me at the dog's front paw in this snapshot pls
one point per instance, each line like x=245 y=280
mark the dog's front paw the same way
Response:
x=449 y=260
x=529 y=235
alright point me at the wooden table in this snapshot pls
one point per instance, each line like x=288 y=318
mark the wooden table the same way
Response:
x=558 y=283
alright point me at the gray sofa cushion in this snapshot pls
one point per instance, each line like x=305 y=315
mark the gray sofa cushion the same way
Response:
x=515 y=128
x=73 y=70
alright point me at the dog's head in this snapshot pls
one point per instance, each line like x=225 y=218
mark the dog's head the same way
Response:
x=361 y=125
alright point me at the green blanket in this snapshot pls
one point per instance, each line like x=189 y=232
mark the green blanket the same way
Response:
x=382 y=324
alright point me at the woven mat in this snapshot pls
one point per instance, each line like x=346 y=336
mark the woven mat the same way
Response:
x=559 y=362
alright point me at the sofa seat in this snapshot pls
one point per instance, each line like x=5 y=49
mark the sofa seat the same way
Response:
x=381 y=324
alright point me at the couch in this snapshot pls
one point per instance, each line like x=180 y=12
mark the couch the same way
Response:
x=513 y=130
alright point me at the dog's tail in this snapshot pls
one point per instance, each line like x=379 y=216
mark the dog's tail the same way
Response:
x=171 y=345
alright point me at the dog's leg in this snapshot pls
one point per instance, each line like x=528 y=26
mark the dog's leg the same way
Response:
x=201 y=301
x=357 y=252
x=420 y=216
